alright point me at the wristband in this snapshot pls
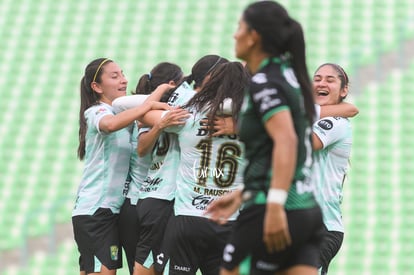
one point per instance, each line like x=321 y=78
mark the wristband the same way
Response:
x=277 y=196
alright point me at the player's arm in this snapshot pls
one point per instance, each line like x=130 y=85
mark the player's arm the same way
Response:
x=123 y=103
x=281 y=130
x=111 y=123
x=342 y=109
x=159 y=120
x=159 y=92
x=147 y=140
x=316 y=142
x=223 y=125
x=220 y=209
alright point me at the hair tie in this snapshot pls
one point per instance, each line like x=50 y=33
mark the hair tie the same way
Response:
x=99 y=67
x=149 y=76
x=189 y=79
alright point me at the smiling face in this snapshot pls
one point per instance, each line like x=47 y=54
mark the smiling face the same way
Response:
x=327 y=86
x=113 y=83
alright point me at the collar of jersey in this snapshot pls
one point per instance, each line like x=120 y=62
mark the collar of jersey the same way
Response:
x=268 y=60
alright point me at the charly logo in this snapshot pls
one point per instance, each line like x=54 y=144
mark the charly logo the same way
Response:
x=228 y=251
x=259 y=78
x=325 y=124
x=182 y=268
x=114 y=252
x=160 y=258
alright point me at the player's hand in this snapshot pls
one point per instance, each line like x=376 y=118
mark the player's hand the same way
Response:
x=276 y=234
x=174 y=117
x=222 y=126
x=222 y=208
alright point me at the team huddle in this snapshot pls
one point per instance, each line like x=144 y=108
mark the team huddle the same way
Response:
x=236 y=167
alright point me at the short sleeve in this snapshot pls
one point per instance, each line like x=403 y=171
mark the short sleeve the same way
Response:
x=94 y=115
x=331 y=129
x=143 y=130
x=267 y=97
x=128 y=102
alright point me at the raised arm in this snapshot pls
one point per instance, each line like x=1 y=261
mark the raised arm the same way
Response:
x=159 y=120
x=111 y=123
x=342 y=109
x=128 y=102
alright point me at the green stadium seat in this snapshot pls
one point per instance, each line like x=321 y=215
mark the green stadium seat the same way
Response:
x=43 y=56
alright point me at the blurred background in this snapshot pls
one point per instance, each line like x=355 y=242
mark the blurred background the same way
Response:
x=46 y=44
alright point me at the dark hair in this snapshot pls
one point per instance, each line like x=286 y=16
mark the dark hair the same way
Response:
x=341 y=73
x=162 y=73
x=227 y=80
x=88 y=97
x=282 y=35
x=202 y=68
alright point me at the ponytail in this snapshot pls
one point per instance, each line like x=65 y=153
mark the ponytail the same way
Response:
x=88 y=98
x=295 y=45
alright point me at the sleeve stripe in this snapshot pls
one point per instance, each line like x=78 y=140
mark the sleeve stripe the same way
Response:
x=273 y=111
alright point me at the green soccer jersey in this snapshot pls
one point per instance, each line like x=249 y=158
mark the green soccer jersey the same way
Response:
x=274 y=88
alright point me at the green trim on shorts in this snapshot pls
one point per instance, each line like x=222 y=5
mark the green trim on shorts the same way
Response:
x=244 y=267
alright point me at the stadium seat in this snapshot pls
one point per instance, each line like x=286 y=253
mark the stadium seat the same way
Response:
x=46 y=45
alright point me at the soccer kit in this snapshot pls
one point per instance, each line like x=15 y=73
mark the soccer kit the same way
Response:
x=209 y=167
x=157 y=192
x=106 y=165
x=99 y=196
x=274 y=88
x=328 y=172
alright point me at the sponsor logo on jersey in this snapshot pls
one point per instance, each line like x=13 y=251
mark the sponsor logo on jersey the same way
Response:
x=266 y=100
x=173 y=98
x=325 y=124
x=259 y=78
x=201 y=202
x=151 y=184
x=101 y=110
x=264 y=94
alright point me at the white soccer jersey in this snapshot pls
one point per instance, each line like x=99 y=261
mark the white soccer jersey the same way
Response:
x=161 y=178
x=208 y=168
x=330 y=167
x=106 y=165
x=138 y=168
